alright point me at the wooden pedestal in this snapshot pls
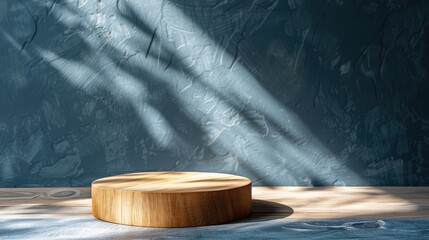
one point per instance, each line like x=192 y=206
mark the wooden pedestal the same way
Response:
x=171 y=199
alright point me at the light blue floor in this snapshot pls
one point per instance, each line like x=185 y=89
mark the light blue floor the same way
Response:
x=90 y=228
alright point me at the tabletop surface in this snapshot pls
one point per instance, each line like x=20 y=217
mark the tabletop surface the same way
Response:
x=172 y=182
x=268 y=202
x=278 y=213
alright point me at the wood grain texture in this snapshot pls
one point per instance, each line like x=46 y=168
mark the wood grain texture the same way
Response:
x=171 y=199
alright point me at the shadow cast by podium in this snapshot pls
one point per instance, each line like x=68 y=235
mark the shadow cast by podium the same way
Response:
x=267 y=210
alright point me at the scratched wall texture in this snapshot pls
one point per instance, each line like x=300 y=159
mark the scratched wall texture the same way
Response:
x=285 y=92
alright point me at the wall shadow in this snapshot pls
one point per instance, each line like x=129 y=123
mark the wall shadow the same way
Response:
x=130 y=107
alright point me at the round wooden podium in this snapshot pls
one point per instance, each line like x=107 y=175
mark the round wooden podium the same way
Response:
x=171 y=199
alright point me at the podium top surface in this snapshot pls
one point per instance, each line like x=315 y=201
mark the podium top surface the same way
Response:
x=172 y=182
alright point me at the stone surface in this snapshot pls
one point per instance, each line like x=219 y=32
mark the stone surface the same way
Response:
x=87 y=227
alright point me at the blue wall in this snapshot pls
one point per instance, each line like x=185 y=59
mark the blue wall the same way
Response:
x=284 y=92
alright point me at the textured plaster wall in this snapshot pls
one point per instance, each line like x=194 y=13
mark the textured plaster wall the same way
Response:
x=285 y=92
